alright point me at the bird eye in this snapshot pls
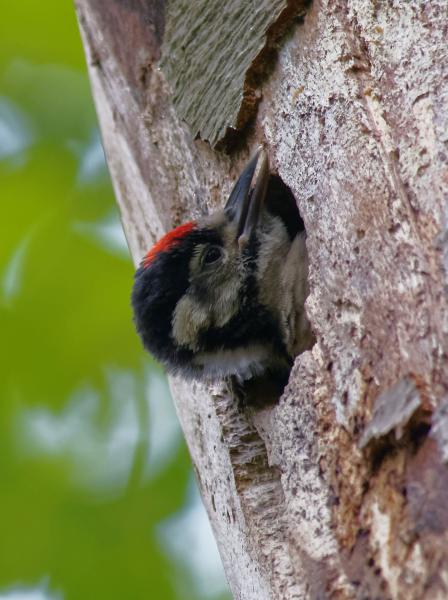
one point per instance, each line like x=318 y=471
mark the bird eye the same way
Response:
x=211 y=255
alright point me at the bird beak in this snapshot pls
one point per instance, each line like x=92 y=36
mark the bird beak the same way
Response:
x=246 y=201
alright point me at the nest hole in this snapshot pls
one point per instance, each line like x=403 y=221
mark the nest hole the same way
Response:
x=265 y=390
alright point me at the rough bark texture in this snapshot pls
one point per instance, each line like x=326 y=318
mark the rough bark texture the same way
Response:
x=339 y=490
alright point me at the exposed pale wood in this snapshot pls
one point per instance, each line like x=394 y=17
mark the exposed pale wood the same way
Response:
x=303 y=503
x=227 y=46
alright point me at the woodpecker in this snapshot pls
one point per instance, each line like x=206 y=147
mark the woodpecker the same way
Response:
x=224 y=295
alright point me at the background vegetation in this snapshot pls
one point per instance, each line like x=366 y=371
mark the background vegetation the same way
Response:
x=97 y=499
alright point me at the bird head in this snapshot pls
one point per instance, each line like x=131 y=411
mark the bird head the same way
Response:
x=205 y=297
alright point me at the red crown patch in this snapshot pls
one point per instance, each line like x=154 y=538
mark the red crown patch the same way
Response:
x=169 y=240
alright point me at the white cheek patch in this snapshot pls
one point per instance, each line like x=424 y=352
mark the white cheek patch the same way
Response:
x=225 y=304
x=188 y=319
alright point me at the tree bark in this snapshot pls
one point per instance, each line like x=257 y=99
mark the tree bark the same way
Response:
x=339 y=490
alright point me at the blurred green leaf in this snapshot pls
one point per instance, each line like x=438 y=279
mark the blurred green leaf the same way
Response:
x=90 y=453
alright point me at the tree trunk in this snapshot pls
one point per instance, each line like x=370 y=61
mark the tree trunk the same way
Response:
x=339 y=490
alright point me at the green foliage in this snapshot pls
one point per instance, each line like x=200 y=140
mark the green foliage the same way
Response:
x=87 y=480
